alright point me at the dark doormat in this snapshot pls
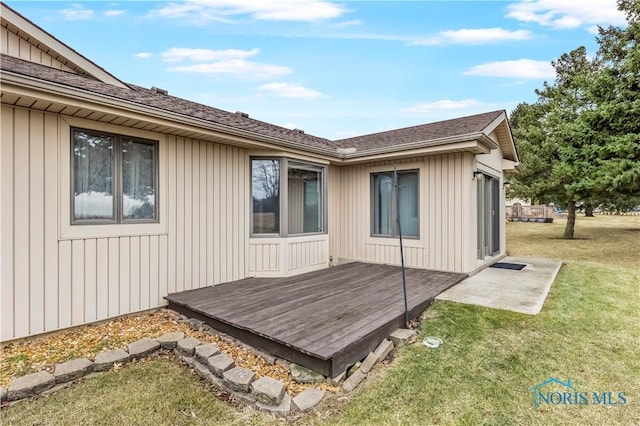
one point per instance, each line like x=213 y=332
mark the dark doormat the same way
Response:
x=506 y=265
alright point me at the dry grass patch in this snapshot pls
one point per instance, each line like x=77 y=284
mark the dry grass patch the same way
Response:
x=608 y=240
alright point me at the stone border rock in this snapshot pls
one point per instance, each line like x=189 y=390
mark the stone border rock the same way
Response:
x=206 y=359
x=219 y=369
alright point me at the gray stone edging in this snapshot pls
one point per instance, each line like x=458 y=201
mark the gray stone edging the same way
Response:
x=264 y=393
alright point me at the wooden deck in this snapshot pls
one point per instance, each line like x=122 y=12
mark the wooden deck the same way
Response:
x=325 y=320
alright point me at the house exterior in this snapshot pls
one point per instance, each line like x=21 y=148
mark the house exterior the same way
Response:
x=114 y=195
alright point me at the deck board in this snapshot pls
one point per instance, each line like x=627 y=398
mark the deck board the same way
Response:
x=326 y=318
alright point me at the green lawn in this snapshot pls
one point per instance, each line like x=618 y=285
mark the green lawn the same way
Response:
x=588 y=331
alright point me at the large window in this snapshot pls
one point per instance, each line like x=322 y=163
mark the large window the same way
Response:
x=299 y=193
x=265 y=190
x=384 y=204
x=115 y=178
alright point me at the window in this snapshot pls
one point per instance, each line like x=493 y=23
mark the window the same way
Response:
x=384 y=204
x=265 y=191
x=114 y=178
x=305 y=198
x=300 y=196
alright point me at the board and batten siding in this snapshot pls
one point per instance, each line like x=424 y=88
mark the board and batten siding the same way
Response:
x=49 y=283
x=282 y=257
x=447 y=238
x=18 y=47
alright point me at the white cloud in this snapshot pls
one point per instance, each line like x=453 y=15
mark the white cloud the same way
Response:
x=271 y=10
x=567 y=13
x=473 y=36
x=527 y=69
x=444 y=104
x=345 y=24
x=229 y=61
x=77 y=13
x=291 y=90
x=143 y=55
x=176 y=54
x=238 y=68
x=114 y=12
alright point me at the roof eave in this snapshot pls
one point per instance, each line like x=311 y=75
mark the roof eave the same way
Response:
x=507 y=145
x=39 y=34
x=473 y=143
x=52 y=89
x=477 y=143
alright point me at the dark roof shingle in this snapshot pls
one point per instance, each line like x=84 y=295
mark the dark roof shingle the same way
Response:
x=421 y=133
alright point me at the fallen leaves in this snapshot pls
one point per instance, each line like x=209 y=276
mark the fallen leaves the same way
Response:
x=43 y=353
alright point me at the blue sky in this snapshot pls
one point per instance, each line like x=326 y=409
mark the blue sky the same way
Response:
x=334 y=69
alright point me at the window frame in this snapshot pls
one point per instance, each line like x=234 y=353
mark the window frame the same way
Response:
x=394 y=213
x=283 y=204
x=118 y=180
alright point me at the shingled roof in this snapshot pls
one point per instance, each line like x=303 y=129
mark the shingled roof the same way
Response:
x=393 y=139
x=422 y=133
x=151 y=98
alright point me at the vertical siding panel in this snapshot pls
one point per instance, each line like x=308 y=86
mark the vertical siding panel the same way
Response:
x=180 y=211
x=145 y=264
x=231 y=215
x=124 y=304
x=346 y=202
x=4 y=41
x=163 y=268
x=245 y=212
x=195 y=214
x=154 y=271
x=14 y=45
x=235 y=212
x=36 y=215
x=431 y=218
x=90 y=283
x=438 y=210
x=51 y=222
x=77 y=282
x=114 y=277
x=64 y=283
x=222 y=209
x=216 y=215
x=188 y=212
x=210 y=213
x=252 y=257
x=21 y=223
x=7 y=225
x=25 y=49
x=242 y=214
x=458 y=211
x=134 y=274
x=365 y=207
x=449 y=213
x=203 y=230
x=469 y=219
x=102 y=275
x=170 y=254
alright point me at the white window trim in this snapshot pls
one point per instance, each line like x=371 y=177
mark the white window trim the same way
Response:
x=67 y=231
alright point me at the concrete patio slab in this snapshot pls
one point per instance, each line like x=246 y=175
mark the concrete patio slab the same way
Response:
x=521 y=291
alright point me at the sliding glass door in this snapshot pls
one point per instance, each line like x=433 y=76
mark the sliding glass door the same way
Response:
x=488 y=188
